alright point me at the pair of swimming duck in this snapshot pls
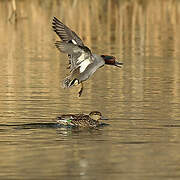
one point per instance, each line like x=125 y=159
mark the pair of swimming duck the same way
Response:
x=82 y=64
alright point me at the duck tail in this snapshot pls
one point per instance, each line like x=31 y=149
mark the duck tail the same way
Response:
x=68 y=82
x=64 y=122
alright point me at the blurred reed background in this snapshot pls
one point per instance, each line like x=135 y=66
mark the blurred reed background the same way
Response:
x=152 y=19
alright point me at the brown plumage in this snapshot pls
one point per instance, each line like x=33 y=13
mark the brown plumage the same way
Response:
x=81 y=120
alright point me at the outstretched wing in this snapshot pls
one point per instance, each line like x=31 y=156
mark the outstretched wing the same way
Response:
x=66 y=34
x=81 y=55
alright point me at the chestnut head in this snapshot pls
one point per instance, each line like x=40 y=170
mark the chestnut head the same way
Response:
x=111 y=60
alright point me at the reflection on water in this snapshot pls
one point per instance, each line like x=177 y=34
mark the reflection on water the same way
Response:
x=141 y=100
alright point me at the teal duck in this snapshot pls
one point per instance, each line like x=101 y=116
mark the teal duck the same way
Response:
x=81 y=120
x=83 y=63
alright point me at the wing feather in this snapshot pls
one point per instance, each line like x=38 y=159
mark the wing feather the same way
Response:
x=80 y=56
x=65 y=33
x=68 y=48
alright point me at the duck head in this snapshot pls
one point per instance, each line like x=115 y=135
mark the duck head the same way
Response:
x=96 y=115
x=111 y=60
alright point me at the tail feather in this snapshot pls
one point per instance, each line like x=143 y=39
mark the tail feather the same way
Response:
x=68 y=82
x=65 y=122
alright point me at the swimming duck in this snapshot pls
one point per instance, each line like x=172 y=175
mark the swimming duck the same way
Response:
x=83 y=63
x=81 y=120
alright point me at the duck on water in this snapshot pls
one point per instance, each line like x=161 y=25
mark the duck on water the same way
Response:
x=81 y=120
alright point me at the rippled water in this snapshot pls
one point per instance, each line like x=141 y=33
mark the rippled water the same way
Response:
x=141 y=100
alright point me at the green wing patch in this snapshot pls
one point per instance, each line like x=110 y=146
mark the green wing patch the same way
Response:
x=69 y=120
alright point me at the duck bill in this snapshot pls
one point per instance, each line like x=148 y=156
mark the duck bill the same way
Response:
x=118 y=64
x=104 y=118
x=111 y=60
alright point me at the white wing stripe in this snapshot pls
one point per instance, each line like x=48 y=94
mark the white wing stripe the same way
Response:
x=81 y=58
x=84 y=65
x=74 y=42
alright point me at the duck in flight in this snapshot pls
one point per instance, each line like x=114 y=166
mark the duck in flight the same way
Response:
x=83 y=63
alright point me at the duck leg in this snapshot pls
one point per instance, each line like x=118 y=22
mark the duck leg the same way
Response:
x=13 y=14
x=81 y=90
